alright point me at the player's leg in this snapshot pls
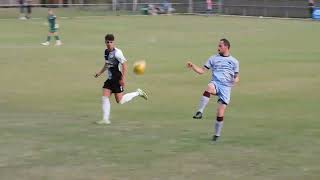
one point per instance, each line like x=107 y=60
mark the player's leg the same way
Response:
x=210 y=90
x=58 y=41
x=223 y=101
x=123 y=98
x=106 y=93
x=22 y=15
x=219 y=120
x=47 y=43
x=28 y=16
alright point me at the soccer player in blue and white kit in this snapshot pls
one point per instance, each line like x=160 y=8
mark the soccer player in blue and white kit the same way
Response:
x=225 y=73
x=116 y=67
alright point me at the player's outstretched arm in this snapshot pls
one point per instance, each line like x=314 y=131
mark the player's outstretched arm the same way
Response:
x=97 y=74
x=196 y=68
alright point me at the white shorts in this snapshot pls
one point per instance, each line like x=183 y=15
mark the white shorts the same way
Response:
x=223 y=92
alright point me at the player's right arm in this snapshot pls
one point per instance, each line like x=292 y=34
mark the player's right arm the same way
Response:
x=195 y=68
x=236 y=72
x=236 y=78
x=97 y=74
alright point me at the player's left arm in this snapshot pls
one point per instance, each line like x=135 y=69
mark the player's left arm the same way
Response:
x=236 y=72
x=124 y=68
x=236 y=77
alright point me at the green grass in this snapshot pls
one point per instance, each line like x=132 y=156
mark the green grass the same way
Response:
x=49 y=101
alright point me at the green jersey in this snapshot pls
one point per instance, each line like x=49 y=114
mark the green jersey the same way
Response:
x=52 y=23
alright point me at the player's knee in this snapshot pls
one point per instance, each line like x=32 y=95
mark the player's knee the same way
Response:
x=211 y=88
x=206 y=94
x=119 y=101
x=220 y=119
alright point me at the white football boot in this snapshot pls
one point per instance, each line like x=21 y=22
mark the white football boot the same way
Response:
x=142 y=94
x=46 y=43
x=104 y=121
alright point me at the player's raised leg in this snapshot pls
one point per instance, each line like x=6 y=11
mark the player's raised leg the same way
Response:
x=204 y=100
x=123 y=98
x=105 y=107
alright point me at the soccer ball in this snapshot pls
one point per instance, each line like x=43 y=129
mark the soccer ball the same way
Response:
x=139 y=67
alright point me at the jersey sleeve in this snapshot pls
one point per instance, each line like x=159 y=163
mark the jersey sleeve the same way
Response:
x=105 y=56
x=209 y=62
x=120 y=56
x=236 y=67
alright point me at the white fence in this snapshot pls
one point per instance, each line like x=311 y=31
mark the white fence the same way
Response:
x=184 y=6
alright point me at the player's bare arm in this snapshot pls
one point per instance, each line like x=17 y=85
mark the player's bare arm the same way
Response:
x=124 y=67
x=236 y=78
x=97 y=74
x=195 y=68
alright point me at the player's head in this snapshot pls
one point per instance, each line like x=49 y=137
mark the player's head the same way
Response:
x=109 y=40
x=223 y=46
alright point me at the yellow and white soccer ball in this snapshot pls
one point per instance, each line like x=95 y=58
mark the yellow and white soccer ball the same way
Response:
x=139 y=67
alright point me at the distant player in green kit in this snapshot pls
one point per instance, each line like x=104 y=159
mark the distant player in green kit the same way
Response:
x=53 y=27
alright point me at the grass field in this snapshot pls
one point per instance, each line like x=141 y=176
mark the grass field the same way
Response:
x=49 y=101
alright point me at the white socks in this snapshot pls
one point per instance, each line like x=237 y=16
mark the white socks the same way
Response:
x=105 y=108
x=106 y=104
x=128 y=97
x=203 y=103
x=218 y=127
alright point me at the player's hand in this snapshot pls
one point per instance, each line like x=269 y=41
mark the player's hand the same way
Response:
x=236 y=80
x=189 y=64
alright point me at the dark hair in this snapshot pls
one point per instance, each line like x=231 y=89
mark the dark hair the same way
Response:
x=226 y=42
x=109 y=37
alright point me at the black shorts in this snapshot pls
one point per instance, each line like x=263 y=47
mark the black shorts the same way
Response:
x=113 y=85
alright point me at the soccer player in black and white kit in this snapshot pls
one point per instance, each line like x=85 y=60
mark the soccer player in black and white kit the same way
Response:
x=116 y=67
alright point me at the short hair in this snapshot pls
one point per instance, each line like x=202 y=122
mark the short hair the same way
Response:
x=226 y=42
x=109 y=37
